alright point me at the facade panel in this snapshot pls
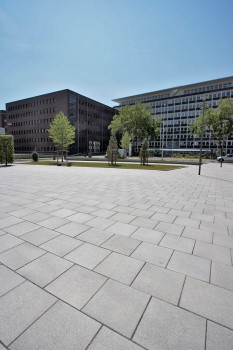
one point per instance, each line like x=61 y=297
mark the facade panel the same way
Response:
x=180 y=106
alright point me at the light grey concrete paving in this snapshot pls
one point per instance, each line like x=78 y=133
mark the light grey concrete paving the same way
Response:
x=20 y=255
x=190 y=265
x=200 y=298
x=167 y=327
x=9 y=280
x=153 y=254
x=143 y=234
x=44 y=269
x=118 y=306
x=61 y=245
x=160 y=283
x=76 y=286
x=20 y=307
x=218 y=337
x=120 y=268
x=88 y=255
x=61 y=327
x=109 y=340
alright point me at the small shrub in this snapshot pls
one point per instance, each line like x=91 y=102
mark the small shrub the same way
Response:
x=35 y=156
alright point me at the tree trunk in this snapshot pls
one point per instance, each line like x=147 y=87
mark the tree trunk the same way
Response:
x=221 y=150
x=62 y=156
x=130 y=149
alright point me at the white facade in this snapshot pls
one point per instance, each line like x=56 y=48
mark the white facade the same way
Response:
x=180 y=106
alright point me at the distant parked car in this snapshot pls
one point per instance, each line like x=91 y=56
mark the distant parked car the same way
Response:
x=228 y=158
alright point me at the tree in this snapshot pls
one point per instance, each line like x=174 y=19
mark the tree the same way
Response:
x=62 y=132
x=6 y=149
x=219 y=120
x=144 y=153
x=137 y=121
x=112 y=150
x=125 y=140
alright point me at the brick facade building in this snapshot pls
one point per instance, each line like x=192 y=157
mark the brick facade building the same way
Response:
x=31 y=117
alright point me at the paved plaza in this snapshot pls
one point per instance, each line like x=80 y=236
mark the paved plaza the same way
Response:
x=110 y=259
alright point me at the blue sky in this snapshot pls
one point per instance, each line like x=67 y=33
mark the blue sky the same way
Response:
x=106 y=49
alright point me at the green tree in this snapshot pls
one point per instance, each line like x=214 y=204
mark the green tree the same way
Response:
x=112 y=150
x=125 y=140
x=219 y=120
x=144 y=153
x=62 y=132
x=6 y=149
x=137 y=121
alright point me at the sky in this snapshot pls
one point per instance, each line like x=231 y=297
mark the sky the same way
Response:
x=105 y=49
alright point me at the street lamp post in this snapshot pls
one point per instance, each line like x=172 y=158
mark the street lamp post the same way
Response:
x=202 y=131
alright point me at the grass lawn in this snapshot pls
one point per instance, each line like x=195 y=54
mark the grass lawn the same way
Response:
x=160 y=167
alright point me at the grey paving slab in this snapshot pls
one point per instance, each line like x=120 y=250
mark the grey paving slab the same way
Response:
x=95 y=236
x=9 y=280
x=39 y=235
x=103 y=213
x=87 y=255
x=9 y=221
x=160 y=283
x=20 y=308
x=44 y=269
x=167 y=327
x=173 y=229
x=142 y=213
x=8 y=241
x=23 y=212
x=106 y=339
x=3 y=215
x=144 y=222
x=36 y=217
x=213 y=227
x=63 y=213
x=222 y=240
x=2 y=347
x=190 y=265
x=2 y=232
x=86 y=209
x=164 y=217
x=207 y=300
x=200 y=235
x=117 y=306
x=218 y=337
x=61 y=327
x=121 y=244
x=147 y=235
x=72 y=229
x=120 y=268
x=61 y=245
x=9 y=208
x=53 y=222
x=187 y=222
x=123 y=209
x=80 y=217
x=153 y=254
x=21 y=228
x=178 y=243
x=179 y=212
x=20 y=255
x=100 y=223
x=76 y=286
x=212 y=252
x=122 y=229
x=222 y=275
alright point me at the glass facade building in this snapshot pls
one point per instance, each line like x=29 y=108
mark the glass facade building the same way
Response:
x=180 y=106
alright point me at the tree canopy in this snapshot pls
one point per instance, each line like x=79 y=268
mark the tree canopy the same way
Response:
x=219 y=120
x=62 y=132
x=137 y=121
x=6 y=149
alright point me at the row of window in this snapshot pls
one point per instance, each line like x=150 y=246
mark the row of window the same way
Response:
x=31 y=113
x=209 y=88
x=31 y=104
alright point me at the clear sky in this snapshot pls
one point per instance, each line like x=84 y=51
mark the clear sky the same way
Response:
x=106 y=49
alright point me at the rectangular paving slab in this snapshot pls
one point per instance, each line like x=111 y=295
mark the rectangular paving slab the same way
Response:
x=167 y=327
x=62 y=328
x=153 y=254
x=20 y=308
x=8 y=279
x=118 y=306
x=209 y=301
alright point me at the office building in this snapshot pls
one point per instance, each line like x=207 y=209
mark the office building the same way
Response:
x=178 y=107
x=29 y=120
